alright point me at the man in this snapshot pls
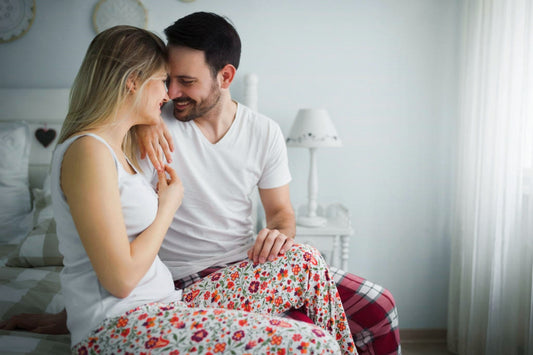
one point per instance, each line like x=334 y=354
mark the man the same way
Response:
x=223 y=152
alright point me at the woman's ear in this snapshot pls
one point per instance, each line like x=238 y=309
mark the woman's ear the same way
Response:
x=227 y=74
x=131 y=83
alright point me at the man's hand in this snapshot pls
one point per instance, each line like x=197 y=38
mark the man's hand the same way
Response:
x=153 y=139
x=44 y=323
x=268 y=245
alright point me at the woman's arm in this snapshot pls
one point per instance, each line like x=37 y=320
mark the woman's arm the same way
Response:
x=89 y=182
x=153 y=139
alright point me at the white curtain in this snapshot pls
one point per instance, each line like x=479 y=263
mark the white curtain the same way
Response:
x=491 y=300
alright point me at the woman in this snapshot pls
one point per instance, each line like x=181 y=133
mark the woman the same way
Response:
x=119 y=296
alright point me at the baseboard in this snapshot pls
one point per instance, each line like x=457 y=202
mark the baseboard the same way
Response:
x=423 y=335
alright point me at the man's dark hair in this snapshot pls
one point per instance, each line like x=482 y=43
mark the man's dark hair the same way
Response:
x=210 y=33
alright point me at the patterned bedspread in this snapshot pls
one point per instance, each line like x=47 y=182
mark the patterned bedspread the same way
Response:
x=30 y=290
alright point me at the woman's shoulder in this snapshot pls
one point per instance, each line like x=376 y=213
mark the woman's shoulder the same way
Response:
x=86 y=146
x=87 y=155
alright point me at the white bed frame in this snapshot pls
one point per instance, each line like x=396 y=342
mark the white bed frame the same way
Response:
x=40 y=108
x=47 y=108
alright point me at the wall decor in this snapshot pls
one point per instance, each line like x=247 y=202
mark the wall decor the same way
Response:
x=45 y=135
x=109 y=13
x=16 y=18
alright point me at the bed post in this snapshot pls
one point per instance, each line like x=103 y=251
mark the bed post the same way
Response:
x=250 y=91
x=250 y=100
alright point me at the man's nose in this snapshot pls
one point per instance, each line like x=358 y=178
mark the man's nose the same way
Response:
x=174 y=91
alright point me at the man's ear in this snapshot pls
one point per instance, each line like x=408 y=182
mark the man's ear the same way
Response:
x=227 y=74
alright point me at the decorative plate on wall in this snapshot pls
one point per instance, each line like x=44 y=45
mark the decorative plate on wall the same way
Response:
x=109 y=13
x=16 y=17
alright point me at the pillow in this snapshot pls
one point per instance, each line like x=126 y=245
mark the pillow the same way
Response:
x=15 y=204
x=40 y=246
x=42 y=204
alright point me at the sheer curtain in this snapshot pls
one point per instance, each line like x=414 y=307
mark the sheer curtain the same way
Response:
x=491 y=300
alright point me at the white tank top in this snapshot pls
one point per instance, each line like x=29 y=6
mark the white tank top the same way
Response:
x=87 y=302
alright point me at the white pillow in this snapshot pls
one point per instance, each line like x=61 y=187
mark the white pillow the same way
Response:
x=40 y=246
x=15 y=203
x=42 y=205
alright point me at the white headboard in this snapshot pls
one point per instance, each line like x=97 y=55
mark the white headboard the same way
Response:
x=40 y=108
x=47 y=108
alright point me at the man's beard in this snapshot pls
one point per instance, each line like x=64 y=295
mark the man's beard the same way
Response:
x=195 y=110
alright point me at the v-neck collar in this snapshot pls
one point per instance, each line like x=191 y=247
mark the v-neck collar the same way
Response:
x=226 y=136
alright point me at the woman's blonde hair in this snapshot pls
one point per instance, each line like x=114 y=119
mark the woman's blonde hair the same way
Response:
x=116 y=55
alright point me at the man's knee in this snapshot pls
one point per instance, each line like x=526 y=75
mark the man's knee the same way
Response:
x=366 y=303
x=304 y=250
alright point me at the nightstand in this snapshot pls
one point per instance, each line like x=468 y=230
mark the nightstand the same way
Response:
x=332 y=239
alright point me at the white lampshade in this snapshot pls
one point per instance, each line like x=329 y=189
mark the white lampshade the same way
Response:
x=313 y=128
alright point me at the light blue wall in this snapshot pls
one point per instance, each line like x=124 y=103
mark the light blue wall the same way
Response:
x=385 y=70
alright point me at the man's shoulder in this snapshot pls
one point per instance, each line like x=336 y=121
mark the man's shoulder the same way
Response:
x=254 y=118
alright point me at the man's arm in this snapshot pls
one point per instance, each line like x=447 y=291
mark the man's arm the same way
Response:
x=278 y=236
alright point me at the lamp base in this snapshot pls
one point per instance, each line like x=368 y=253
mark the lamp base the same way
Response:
x=307 y=221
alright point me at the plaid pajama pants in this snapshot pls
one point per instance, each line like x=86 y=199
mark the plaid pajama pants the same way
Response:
x=370 y=309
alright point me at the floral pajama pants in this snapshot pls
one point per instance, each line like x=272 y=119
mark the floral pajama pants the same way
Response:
x=370 y=309
x=215 y=321
x=174 y=328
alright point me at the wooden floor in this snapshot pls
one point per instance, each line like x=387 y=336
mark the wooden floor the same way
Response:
x=425 y=348
x=424 y=342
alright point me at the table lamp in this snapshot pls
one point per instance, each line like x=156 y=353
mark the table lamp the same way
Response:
x=312 y=129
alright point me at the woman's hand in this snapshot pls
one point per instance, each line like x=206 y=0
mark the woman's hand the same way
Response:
x=170 y=190
x=154 y=139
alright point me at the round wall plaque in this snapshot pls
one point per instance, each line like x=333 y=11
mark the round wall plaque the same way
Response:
x=109 y=13
x=16 y=17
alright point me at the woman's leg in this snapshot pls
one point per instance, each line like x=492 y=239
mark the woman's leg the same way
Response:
x=300 y=278
x=177 y=329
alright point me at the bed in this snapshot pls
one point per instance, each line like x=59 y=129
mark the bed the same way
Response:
x=30 y=120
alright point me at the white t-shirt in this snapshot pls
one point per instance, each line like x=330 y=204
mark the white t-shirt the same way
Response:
x=87 y=302
x=214 y=224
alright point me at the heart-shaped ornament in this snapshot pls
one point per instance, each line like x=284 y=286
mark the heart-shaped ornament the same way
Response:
x=45 y=136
